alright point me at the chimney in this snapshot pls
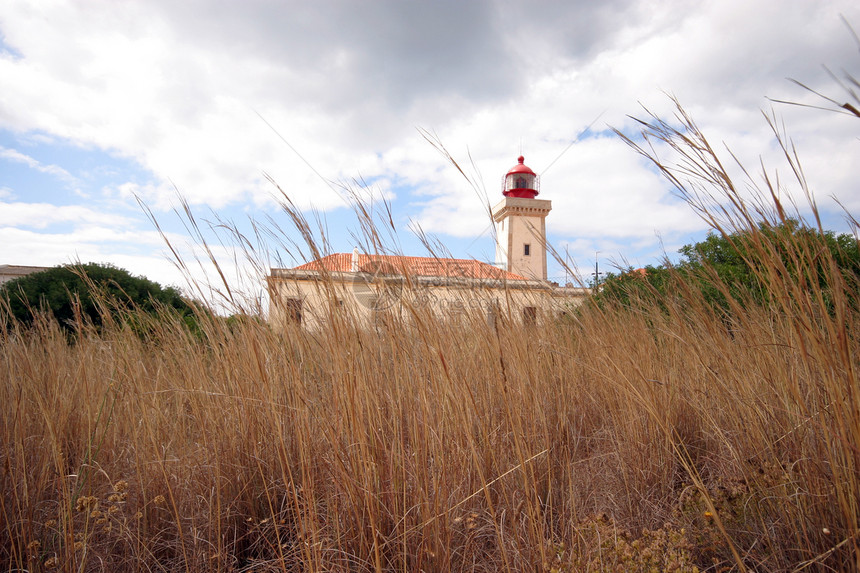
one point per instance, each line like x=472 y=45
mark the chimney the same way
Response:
x=354 y=260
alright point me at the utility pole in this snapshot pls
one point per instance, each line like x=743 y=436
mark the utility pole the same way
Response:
x=596 y=272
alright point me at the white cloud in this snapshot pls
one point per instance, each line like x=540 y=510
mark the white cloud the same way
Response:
x=141 y=253
x=178 y=88
x=55 y=170
x=43 y=215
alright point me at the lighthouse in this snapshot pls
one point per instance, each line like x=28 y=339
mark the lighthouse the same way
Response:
x=520 y=219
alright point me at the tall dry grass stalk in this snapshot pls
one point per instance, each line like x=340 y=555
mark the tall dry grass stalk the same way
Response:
x=649 y=437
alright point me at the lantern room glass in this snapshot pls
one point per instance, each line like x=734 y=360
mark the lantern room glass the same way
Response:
x=520 y=181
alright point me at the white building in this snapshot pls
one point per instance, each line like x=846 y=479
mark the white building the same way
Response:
x=11 y=272
x=373 y=286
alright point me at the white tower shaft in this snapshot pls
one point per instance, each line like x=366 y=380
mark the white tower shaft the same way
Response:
x=521 y=236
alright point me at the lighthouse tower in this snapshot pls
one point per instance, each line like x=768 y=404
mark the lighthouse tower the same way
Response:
x=520 y=220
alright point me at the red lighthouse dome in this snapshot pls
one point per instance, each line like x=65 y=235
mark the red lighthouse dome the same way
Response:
x=521 y=181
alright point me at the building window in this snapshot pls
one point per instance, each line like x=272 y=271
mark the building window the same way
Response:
x=530 y=315
x=294 y=310
x=527 y=249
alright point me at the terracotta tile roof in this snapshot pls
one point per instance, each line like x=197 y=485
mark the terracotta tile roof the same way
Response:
x=20 y=269
x=11 y=272
x=412 y=266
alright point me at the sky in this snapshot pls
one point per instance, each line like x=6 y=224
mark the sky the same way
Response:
x=119 y=119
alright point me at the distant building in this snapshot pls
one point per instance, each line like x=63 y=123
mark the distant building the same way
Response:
x=375 y=286
x=12 y=272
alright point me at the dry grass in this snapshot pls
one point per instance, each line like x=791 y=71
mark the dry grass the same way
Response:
x=620 y=440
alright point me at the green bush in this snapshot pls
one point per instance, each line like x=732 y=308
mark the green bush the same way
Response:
x=90 y=292
x=728 y=266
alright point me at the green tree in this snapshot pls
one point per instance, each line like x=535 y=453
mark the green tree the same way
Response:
x=635 y=286
x=741 y=265
x=96 y=288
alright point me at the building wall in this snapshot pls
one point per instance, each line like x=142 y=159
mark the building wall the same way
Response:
x=12 y=272
x=298 y=297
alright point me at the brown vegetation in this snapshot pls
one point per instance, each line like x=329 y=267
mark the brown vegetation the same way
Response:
x=641 y=437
